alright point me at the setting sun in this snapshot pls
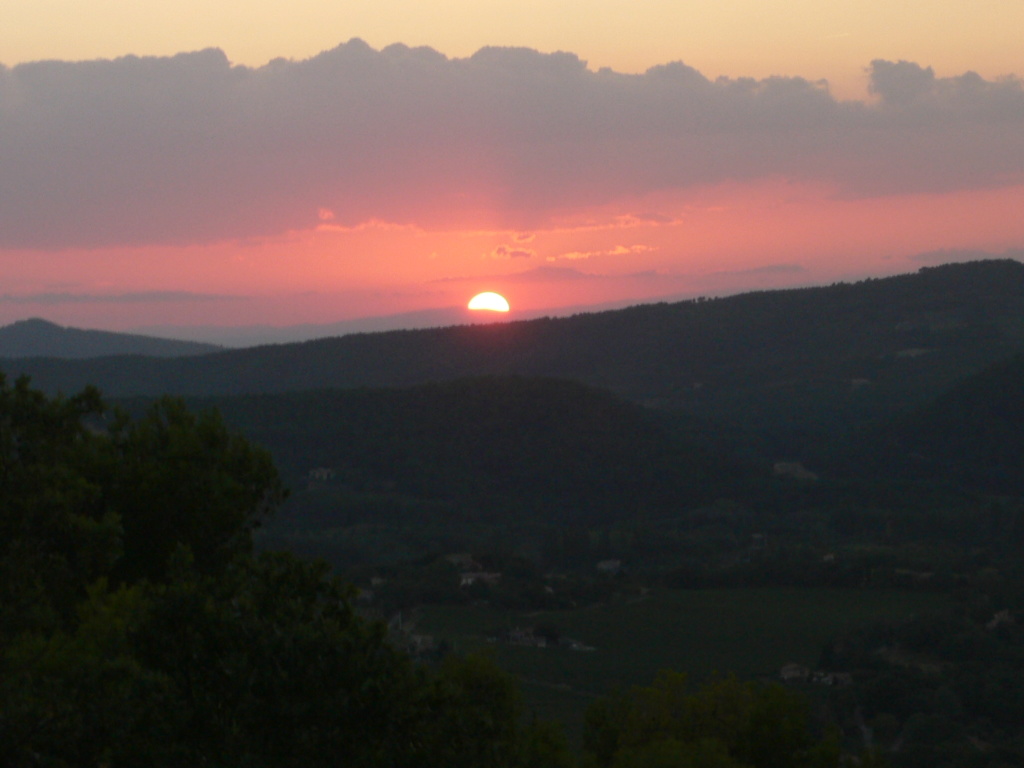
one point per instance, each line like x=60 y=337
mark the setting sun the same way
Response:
x=490 y=301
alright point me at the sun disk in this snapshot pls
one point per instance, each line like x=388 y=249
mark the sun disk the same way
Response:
x=493 y=302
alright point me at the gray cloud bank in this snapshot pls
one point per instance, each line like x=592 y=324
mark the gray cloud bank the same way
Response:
x=190 y=148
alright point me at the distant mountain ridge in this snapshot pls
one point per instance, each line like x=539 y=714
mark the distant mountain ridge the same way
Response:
x=41 y=338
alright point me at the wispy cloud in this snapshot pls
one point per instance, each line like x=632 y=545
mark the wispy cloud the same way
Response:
x=507 y=252
x=546 y=274
x=768 y=269
x=618 y=250
x=139 y=297
x=192 y=149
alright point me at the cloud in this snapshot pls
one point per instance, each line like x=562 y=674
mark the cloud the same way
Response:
x=137 y=297
x=768 y=269
x=623 y=250
x=641 y=219
x=550 y=274
x=505 y=252
x=900 y=82
x=190 y=148
x=540 y=274
x=618 y=250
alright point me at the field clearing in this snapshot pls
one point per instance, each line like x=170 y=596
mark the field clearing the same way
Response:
x=749 y=632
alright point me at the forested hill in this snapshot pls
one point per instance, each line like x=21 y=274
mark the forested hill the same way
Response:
x=796 y=360
x=486 y=448
x=970 y=436
x=41 y=338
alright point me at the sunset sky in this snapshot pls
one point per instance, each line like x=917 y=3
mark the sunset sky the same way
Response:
x=224 y=163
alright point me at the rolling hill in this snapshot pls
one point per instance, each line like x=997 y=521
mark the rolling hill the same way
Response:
x=490 y=445
x=969 y=436
x=798 y=366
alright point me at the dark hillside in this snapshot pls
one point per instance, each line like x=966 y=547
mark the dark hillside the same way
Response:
x=797 y=366
x=485 y=449
x=972 y=436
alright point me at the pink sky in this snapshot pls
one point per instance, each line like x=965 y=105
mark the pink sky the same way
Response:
x=187 y=190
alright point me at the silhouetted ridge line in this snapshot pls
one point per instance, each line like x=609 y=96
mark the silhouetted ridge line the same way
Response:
x=41 y=338
x=801 y=365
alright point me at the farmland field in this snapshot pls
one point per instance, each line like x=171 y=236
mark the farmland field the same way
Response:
x=749 y=632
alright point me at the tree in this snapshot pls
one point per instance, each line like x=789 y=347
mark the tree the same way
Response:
x=271 y=667
x=724 y=722
x=80 y=696
x=180 y=479
x=139 y=628
x=78 y=496
x=56 y=535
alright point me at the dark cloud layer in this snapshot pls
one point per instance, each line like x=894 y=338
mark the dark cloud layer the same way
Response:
x=191 y=148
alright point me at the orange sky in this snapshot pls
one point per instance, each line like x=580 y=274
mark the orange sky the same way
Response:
x=363 y=182
x=719 y=241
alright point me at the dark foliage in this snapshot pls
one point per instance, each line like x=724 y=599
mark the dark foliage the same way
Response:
x=939 y=689
x=136 y=628
x=724 y=723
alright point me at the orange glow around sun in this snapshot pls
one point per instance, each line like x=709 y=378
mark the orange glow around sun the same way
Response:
x=722 y=239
